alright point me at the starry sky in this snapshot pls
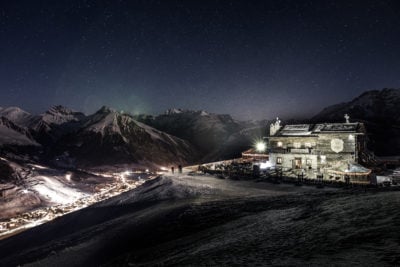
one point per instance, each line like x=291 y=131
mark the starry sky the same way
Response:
x=250 y=59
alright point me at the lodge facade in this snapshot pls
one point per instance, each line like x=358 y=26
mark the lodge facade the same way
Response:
x=326 y=150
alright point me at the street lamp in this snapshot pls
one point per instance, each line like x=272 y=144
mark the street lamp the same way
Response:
x=261 y=146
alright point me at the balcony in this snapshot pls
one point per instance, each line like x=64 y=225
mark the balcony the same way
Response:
x=300 y=150
x=292 y=150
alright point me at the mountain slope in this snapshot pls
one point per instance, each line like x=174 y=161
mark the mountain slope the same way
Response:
x=379 y=110
x=54 y=123
x=215 y=136
x=203 y=221
x=12 y=134
x=16 y=115
x=108 y=137
x=380 y=106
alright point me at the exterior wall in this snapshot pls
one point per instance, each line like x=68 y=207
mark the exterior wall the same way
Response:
x=288 y=160
x=323 y=153
x=336 y=159
x=289 y=141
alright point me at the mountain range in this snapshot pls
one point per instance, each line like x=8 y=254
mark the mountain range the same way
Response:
x=71 y=139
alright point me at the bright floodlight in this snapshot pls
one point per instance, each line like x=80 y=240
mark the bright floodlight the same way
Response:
x=260 y=146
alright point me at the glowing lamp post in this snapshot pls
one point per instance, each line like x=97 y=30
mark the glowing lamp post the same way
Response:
x=260 y=146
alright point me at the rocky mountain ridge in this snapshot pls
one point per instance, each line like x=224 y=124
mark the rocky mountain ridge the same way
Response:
x=379 y=110
x=72 y=139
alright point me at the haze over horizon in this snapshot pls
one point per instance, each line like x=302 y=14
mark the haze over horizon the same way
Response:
x=258 y=61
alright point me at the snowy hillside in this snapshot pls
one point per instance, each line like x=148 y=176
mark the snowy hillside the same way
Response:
x=12 y=134
x=204 y=221
x=16 y=115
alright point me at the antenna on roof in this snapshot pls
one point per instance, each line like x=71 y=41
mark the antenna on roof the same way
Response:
x=347 y=117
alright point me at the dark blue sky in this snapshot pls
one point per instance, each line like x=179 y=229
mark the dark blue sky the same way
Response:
x=251 y=59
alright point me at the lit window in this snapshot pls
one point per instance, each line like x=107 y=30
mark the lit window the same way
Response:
x=308 y=162
x=296 y=144
x=279 y=144
x=278 y=160
x=307 y=144
x=323 y=159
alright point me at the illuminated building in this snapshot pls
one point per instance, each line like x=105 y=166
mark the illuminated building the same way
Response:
x=328 y=150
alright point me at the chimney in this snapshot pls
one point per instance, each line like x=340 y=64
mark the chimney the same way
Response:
x=274 y=127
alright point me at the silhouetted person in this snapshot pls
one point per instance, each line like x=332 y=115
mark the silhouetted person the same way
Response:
x=180 y=168
x=172 y=169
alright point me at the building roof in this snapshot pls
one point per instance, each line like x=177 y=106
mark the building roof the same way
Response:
x=253 y=153
x=315 y=129
x=353 y=169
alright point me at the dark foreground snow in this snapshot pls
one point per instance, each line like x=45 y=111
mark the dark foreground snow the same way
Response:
x=204 y=221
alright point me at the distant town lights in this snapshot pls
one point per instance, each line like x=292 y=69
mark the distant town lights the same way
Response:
x=261 y=146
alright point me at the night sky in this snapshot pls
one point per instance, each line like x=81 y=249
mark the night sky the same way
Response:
x=251 y=59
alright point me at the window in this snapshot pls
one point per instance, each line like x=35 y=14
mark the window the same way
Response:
x=323 y=159
x=296 y=144
x=279 y=144
x=313 y=144
x=307 y=144
x=279 y=160
x=308 y=162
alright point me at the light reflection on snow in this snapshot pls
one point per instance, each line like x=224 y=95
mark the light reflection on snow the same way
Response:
x=38 y=166
x=56 y=191
x=68 y=177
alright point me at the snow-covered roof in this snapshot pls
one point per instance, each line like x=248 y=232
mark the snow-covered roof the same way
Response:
x=353 y=169
x=314 y=129
x=357 y=168
x=296 y=129
x=336 y=127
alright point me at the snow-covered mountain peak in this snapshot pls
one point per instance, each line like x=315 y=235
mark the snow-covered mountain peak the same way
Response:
x=105 y=109
x=173 y=111
x=58 y=109
x=103 y=120
x=60 y=115
x=203 y=113
x=15 y=114
x=11 y=133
